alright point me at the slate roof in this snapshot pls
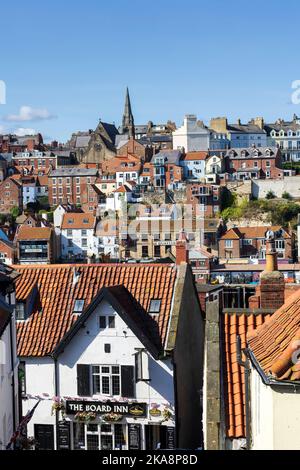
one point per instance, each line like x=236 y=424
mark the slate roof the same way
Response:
x=74 y=171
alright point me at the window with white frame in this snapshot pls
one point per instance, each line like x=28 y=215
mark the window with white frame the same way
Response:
x=106 y=380
x=228 y=243
x=106 y=321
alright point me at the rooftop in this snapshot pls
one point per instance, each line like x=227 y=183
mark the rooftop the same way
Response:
x=275 y=342
x=33 y=233
x=78 y=220
x=52 y=318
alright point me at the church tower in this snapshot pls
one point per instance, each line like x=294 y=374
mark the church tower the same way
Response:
x=128 y=121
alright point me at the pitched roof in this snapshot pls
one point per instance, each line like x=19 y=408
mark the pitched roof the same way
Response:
x=252 y=232
x=191 y=156
x=78 y=220
x=52 y=317
x=138 y=320
x=123 y=189
x=234 y=324
x=275 y=342
x=33 y=233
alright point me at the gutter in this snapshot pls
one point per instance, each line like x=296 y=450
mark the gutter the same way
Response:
x=269 y=380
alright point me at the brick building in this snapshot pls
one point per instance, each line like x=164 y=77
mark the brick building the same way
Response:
x=73 y=186
x=205 y=198
x=132 y=146
x=243 y=242
x=254 y=162
x=13 y=143
x=10 y=195
x=7 y=252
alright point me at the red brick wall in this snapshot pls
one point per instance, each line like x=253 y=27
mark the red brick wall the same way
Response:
x=224 y=252
x=58 y=192
x=10 y=196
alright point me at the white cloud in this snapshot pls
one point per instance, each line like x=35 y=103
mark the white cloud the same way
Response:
x=2 y=129
x=27 y=113
x=24 y=131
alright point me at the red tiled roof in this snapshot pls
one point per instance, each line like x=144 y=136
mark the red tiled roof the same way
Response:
x=52 y=318
x=33 y=233
x=275 y=342
x=251 y=232
x=190 y=156
x=78 y=220
x=236 y=324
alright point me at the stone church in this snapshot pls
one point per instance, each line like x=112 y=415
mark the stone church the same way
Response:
x=100 y=145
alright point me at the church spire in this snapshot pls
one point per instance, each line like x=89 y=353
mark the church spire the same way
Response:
x=128 y=121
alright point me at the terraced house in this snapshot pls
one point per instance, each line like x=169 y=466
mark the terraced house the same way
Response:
x=250 y=242
x=114 y=344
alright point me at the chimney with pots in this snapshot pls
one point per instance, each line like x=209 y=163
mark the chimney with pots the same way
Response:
x=270 y=292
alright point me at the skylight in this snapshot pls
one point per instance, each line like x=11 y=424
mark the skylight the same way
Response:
x=78 y=307
x=155 y=306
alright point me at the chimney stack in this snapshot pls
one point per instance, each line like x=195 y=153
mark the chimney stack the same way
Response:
x=270 y=292
x=182 y=254
x=271 y=280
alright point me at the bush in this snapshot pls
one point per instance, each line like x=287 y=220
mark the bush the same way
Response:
x=270 y=195
x=286 y=195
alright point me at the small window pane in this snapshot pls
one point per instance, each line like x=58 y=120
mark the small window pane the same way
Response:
x=105 y=385
x=115 y=385
x=111 y=322
x=115 y=369
x=105 y=370
x=102 y=322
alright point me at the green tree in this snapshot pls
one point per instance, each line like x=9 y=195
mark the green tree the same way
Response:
x=14 y=212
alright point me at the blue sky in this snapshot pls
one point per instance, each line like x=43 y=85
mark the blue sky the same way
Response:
x=70 y=62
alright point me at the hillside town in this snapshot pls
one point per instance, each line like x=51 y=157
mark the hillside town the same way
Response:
x=150 y=286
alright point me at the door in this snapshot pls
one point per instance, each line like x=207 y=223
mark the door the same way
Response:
x=44 y=435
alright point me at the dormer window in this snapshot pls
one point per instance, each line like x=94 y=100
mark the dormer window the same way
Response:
x=70 y=221
x=154 y=307
x=78 y=307
x=85 y=221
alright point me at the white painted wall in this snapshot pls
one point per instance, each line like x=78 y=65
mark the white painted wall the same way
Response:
x=29 y=194
x=275 y=416
x=291 y=184
x=78 y=248
x=196 y=167
x=8 y=369
x=191 y=136
x=87 y=347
